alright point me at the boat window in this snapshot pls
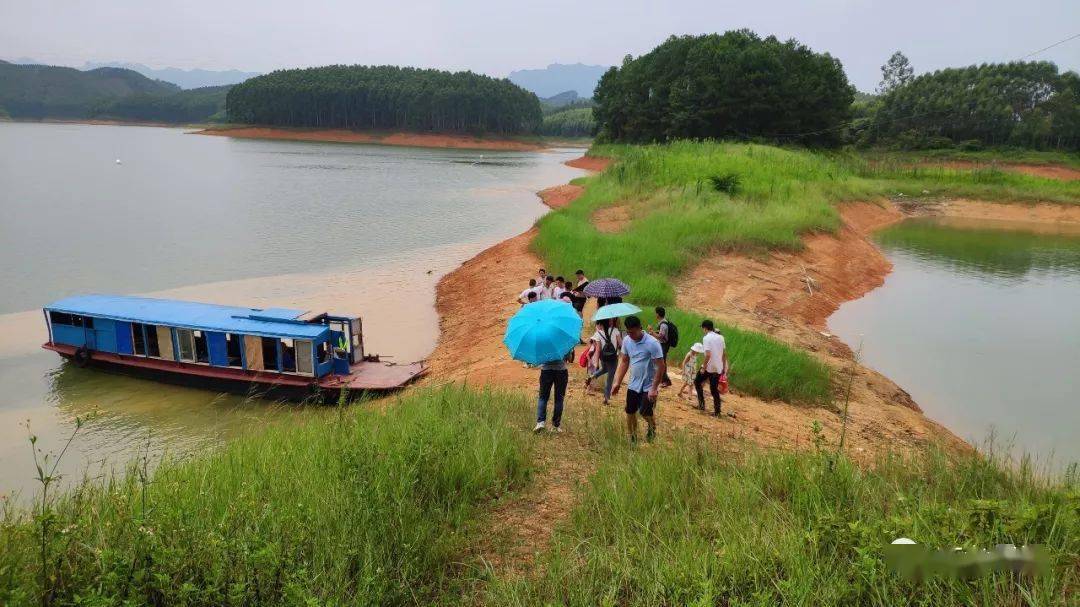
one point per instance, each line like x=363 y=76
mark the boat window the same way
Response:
x=303 y=357
x=269 y=352
x=72 y=320
x=186 y=338
x=137 y=341
x=288 y=355
x=232 y=349
x=153 y=342
x=60 y=318
x=202 y=352
x=324 y=352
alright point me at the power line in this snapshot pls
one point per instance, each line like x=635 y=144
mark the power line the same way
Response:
x=1073 y=37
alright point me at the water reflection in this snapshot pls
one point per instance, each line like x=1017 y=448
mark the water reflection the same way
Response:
x=980 y=324
x=998 y=252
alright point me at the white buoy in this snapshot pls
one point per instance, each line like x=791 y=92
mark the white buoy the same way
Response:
x=118 y=161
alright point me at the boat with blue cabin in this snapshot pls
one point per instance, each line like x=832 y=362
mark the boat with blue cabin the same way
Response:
x=278 y=352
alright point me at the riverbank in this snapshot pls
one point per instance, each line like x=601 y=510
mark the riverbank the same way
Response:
x=787 y=295
x=424 y=140
x=882 y=415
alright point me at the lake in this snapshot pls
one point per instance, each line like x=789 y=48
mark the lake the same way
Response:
x=980 y=322
x=340 y=227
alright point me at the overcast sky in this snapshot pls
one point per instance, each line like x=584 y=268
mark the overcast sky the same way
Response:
x=500 y=36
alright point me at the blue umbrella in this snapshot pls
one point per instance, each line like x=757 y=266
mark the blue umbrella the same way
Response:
x=607 y=287
x=615 y=310
x=542 y=332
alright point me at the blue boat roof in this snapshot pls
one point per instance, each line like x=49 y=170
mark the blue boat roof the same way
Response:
x=268 y=322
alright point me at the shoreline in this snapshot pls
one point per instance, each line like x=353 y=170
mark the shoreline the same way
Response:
x=766 y=293
x=396 y=138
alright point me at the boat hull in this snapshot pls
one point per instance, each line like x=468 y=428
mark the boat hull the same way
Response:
x=364 y=377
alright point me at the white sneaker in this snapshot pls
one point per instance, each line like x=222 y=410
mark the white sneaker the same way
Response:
x=539 y=427
x=556 y=430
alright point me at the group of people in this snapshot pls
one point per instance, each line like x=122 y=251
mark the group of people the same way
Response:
x=618 y=348
x=549 y=286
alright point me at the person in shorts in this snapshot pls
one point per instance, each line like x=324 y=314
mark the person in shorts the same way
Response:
x=644 y=358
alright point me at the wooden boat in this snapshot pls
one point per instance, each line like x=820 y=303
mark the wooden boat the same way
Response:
x=275 y=351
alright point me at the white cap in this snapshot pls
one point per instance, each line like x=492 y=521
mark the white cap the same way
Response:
x=698 y=347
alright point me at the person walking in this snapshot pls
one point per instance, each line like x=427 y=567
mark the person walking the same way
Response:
x=608 y=340
x=553 y=374
x=644 y=358
x=714 y=365
x=668 y=335
x=690 y=369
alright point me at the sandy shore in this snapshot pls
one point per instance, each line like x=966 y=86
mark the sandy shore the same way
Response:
x=423 y=140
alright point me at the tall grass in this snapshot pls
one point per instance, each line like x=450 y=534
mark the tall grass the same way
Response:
x=368 y=508
x=686 y=525
x=689 y=199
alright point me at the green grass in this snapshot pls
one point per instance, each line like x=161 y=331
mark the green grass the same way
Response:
x=690 y=199
x=683 y=524
x=366 y=508
x=388 y=508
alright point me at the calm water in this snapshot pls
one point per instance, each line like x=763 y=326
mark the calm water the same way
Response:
x=364 y=229
x=980 y=322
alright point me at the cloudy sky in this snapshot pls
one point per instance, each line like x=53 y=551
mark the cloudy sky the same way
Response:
x=496 y=37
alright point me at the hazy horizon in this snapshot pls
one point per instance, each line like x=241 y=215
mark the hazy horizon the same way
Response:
x=495 y=39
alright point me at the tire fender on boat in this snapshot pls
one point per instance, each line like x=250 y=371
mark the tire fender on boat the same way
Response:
x=81 y=357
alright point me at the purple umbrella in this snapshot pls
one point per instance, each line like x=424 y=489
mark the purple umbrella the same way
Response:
x=607 y=287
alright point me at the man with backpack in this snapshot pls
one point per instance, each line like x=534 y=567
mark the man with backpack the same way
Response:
x=668 y=335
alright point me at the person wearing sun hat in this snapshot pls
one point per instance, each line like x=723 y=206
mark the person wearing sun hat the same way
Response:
x=690 y=369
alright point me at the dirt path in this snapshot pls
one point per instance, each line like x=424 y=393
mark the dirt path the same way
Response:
x=1048 y=171
x=424 y=140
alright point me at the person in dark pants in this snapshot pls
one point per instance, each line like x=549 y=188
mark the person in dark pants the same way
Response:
x=662 y=333
x=552 y=375
x=714 y=365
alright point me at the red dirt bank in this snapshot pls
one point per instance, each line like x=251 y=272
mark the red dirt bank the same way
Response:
x=425 y=140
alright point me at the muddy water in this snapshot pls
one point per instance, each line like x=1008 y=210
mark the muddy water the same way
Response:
x=340 y=227
x=980 y=322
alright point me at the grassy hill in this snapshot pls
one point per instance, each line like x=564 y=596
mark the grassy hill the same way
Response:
x=45 y=91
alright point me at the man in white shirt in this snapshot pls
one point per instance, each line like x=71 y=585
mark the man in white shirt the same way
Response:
x=524 y=297
x=581 y=280
x=714 y=365
x=548 y=290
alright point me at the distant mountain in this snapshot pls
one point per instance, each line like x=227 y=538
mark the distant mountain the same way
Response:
x=563 y=98
x=45 y=91
x=558 y=78
x=185 y=79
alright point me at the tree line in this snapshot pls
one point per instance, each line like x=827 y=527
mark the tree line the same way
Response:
x=385 y=97
x=731 y=86
x=1020 y=104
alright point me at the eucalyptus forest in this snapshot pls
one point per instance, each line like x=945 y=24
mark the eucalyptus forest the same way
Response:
x=385 y=97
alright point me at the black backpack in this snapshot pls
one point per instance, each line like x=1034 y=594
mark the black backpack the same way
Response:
x=672 y=333
x=608 y=350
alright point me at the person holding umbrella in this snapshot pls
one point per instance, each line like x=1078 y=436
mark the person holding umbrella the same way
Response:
x=542 y=334
x=607 y=291
x=644 y=358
